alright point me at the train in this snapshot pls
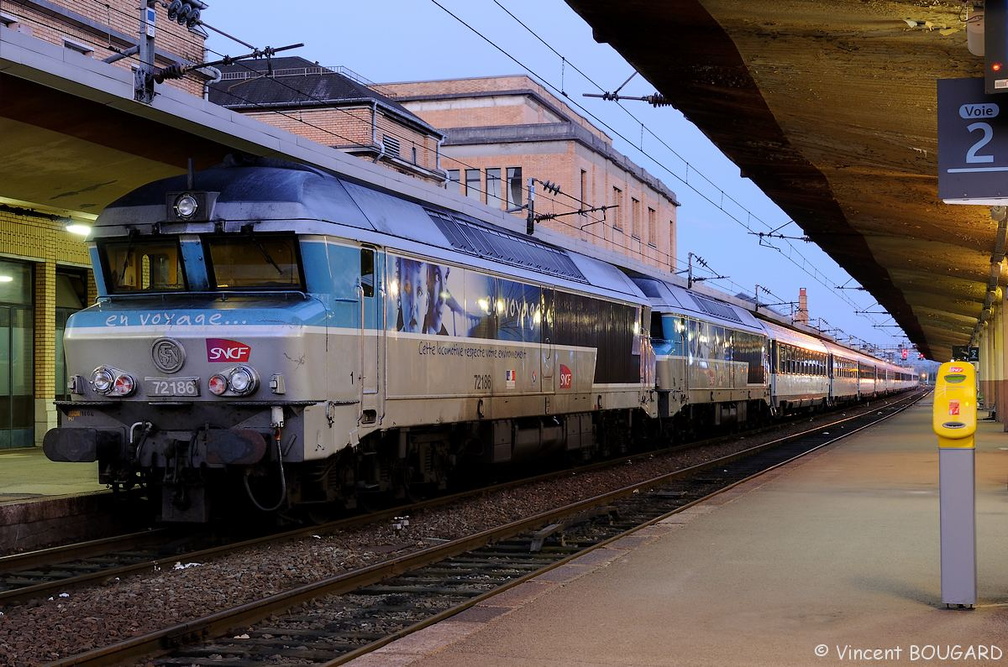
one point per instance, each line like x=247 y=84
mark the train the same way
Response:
x=274 y=337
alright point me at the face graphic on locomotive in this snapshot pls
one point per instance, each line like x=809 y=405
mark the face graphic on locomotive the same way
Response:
x=437 y=294
x=412 y=295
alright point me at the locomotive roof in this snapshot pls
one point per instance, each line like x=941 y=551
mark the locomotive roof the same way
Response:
x=279 y=196
x=666 y=297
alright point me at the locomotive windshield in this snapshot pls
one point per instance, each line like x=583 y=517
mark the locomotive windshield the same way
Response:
x=257 y=262
x=142 y=265
x=254 y=262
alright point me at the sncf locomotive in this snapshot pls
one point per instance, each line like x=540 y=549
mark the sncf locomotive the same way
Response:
x=269 y=335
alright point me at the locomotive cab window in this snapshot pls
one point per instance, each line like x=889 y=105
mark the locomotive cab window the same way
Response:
x=142 y=265
x=367 y=271
x=256 y=261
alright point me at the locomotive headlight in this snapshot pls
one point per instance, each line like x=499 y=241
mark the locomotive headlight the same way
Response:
x=109 y=381
x=186 y=206
x=243 y=380
x=237 y=381
x=102 y=380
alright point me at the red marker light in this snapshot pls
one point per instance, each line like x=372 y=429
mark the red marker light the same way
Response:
x=996 y=67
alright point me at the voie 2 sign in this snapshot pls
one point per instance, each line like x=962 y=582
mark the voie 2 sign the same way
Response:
x=972 y=144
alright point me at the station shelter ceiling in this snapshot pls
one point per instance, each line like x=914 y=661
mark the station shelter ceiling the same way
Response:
x=830 y=108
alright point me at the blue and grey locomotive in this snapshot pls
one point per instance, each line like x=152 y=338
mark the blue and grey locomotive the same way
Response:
x=309 y=338
x=272 y=335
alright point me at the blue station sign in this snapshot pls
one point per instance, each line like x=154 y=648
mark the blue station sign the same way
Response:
x=972 y=143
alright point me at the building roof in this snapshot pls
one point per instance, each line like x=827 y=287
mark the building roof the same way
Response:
x=293 y=82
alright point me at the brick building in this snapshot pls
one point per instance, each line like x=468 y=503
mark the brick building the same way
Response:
x=501 y=131
x=493 y=134
x=333 y=107
x=108 y=31
x=44 y=268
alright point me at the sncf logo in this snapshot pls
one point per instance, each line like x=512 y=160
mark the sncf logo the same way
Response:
x=222 y=349
x=566 y=377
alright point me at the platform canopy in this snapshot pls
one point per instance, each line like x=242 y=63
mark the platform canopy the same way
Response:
x=830 y=108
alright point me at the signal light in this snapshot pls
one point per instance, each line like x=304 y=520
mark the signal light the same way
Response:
x=217 y=384
x=995 y=36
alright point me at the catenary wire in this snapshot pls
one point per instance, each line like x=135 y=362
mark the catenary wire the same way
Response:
x=804 y=265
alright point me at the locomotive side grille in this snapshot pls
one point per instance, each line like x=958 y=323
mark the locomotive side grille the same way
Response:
x=480 y=241
x=716 y=308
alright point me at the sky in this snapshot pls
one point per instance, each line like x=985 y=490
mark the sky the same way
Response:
x=416 y=40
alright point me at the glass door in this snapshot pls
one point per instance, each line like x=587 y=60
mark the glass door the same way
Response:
x=17 y=356
x=17 y=401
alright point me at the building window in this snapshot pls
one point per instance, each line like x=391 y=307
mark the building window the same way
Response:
x=584 y=189
x=652 y=227
x=453 y=184
x=493 y=187
x=635 y=230
x=515 y=191
x=617 y=202
x=79 y=47
x=414 y=155
x=472 y=184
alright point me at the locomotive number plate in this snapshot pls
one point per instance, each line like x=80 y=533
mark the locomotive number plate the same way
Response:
x=172 y=387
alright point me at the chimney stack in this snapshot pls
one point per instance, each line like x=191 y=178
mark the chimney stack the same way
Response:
x=801 y=315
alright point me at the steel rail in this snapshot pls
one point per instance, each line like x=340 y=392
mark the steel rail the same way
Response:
x=222 y=622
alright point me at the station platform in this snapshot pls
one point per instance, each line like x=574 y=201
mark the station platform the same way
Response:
x=830 y=560
x=27 y=473
x=42 y=501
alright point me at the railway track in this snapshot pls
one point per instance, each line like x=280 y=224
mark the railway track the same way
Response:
x=55 y=570
x=333 y=620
